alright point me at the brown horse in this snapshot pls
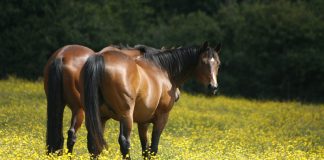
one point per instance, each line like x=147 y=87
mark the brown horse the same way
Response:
x=140 y=90
x=61 y=79
x=61 y=84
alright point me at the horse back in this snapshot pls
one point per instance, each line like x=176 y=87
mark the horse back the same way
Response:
x=128 y=52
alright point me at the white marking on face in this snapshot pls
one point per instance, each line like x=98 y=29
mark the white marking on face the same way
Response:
x=214 y=79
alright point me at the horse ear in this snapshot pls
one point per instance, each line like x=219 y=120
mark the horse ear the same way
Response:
x=163 y=48
x=205 y=45
x=218 y=47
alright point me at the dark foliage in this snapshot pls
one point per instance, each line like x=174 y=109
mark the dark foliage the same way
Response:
x=271 y=49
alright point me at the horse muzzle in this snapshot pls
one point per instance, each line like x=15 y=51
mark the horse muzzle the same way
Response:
x=212 y=89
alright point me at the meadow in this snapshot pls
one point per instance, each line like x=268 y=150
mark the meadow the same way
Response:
x=198 y=128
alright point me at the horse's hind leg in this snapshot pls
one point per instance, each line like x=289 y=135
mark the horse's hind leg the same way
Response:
x=124 y=136
x=76 y=122
x=72 y=96
x=142 y=131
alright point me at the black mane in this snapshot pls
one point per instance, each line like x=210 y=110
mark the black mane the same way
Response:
x=177 y=62
x=147 y=49
x=142 y=48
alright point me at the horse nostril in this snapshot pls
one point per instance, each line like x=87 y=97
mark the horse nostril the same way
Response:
x=211 y=87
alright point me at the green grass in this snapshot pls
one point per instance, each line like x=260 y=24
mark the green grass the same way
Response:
x=198 y=128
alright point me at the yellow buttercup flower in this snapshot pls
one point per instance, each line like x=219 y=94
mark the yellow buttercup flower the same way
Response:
x=199 y=128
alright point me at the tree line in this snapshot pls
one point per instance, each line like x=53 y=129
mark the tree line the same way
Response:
x=270 y=49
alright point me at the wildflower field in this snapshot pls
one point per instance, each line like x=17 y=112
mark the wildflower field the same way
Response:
x=198 y=128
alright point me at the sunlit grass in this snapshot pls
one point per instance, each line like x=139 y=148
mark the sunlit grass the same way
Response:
x=198 y=128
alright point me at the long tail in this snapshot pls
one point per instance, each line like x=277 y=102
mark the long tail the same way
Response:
x=93 y=71
x=55 y=108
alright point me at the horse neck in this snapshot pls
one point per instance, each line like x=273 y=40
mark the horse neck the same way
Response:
x=183 y=75
x=180 y=64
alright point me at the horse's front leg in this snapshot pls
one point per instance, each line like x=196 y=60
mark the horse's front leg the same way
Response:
x=124 y=136
x=158 y=126
x=142 y=131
